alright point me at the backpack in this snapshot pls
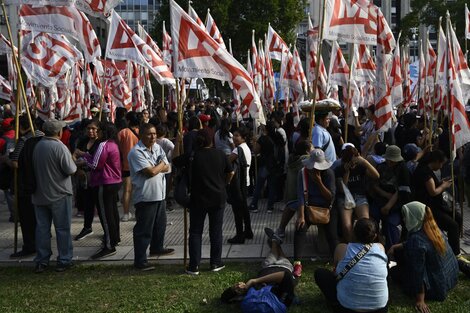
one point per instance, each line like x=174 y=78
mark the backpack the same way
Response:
x=262 y=301
x=279 y=159
x=6 y=172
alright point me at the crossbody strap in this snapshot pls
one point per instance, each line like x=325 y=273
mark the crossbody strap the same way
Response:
x=354 y=261
x=305 y=184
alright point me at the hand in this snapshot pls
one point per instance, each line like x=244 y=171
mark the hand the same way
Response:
x=250 y=283
x=447 y=183
x=300 y=222
x=78 y=153
x=422 y=307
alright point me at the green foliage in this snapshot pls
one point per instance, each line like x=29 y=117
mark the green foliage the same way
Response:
x=427 y=12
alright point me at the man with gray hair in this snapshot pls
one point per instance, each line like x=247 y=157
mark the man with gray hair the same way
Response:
x=53 y=166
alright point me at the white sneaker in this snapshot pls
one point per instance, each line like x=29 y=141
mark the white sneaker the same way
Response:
x=126 y=217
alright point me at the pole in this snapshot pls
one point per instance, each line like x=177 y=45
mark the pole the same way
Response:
x=101 y=97
x=15 y=170
x=435 y=88
x=317 y=71
x=163 y=96
x=349 y=102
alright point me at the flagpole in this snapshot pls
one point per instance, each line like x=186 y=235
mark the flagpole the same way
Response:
x=101 y=97
x=349 y=100
x=317 y=71
x=433 y=100
x=426 y=64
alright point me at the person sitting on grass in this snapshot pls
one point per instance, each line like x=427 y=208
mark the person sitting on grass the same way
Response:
x=426 y=266
x=359 y=281
x=273 y=288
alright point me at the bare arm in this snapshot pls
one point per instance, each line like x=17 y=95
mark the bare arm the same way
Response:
x=275 y=278
x=431 y=187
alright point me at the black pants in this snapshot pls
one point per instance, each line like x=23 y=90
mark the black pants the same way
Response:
x=27 y=219
x=196 y=227
x=86 y=204
x=326 y=281
x=106 y=197
x=331 y=231
x=241 y=215
x=446 y=223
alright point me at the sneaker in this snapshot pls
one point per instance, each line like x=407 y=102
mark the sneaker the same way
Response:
x=217 y=267
x=192 y=270
x=61 y=267
x=237 y=240
x=22 y=254
x=463 y=259
x=166 y=251
x=84 y=233
x=40 y=268
x=297 y=269
x=126 y=217
x=270 y=210
x=145 y=267
x=281 y=232
x=253 y=209
x=272 y=235
x=103 y=253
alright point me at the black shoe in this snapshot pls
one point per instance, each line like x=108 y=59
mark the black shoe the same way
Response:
x=248 y=234
x=145 y=267
x=61 y=267
x=103 y=253
x=167 y=251
x=40 y=268
x=217 y=267
x=238 y=239
x=84 y=233
x=272 y=235
x=192 y=270
x=22 y=254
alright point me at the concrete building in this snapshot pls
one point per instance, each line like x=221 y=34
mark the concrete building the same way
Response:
x=143 y=11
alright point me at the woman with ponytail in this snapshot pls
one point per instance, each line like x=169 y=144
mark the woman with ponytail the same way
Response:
x=426 y=266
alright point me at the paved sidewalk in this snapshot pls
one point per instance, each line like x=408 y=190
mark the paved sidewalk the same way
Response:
x=252 y=250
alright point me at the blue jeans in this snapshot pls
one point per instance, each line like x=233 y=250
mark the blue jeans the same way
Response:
x=196 y=226
x=59 y=212
x=149 y=229
x=263 y=176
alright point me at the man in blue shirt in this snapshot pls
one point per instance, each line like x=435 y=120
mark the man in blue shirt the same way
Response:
x=148 y=165
x=321 y=138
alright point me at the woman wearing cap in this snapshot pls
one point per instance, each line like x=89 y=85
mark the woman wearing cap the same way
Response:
x=389 y=193
x=353 y=171
x=426 y=267
x=321 y=192
x=429 y=190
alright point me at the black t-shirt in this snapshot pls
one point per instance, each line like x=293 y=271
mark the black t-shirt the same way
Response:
x=208 y=169
x=420 y=176
x=393 y=179
x=266 y=157
x=83 y=142
x=357 y=178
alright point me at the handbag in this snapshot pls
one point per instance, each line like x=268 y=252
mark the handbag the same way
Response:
x=316 y=215
x=349 y=202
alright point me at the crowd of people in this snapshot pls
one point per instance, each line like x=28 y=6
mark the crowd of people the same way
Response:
x=387 y=194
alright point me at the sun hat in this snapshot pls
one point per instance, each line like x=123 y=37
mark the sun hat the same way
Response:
x=393 y=153
x=317 y=161
x=347 y=144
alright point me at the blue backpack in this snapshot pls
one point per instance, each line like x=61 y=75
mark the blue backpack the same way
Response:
x=262 y=301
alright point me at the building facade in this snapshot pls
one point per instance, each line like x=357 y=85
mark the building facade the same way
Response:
x=139 y=11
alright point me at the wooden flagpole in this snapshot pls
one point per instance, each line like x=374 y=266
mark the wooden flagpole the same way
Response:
x=349 y=100
x=317 y=71
x=433 y=100
x=15 y=169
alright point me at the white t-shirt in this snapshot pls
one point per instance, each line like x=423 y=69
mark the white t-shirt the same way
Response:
x=247 y=152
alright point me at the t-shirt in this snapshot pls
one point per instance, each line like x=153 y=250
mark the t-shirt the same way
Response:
x=266 y=157
x=321 y=139
x=126 y=141
x=314 y=195
x=357 y=178
x=421 y=175
x=208 y=178
x=53 y=165
x=247 y=153
x=167 y=145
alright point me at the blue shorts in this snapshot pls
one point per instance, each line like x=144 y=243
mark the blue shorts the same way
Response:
x=358 y=198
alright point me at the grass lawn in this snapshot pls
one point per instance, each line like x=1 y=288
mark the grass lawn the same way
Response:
x=119 y=288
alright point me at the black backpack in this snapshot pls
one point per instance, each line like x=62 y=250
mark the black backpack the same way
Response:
x=279 y=159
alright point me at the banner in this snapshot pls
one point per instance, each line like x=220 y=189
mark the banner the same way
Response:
x=276 y=45
x=149 y=41
x=97 y=8
x=5 y=89
x=467 y=22
x=339 y=69
x=41 y=2
x=363 y=66
x=124 y=44
x=115 y=84
x=167 y=46
x=396 y=80
x=213 y=30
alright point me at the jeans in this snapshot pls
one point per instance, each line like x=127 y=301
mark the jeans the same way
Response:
x=59 y=212
x=263 y=176
x=149 y=229
x=196 y=226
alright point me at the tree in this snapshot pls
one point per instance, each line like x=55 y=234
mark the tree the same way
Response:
x=427 y=12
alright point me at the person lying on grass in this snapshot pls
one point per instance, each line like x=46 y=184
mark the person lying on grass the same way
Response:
x=272 y=289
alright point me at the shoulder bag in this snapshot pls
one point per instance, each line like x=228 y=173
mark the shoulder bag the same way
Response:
x=354 y=261
x=314 y=214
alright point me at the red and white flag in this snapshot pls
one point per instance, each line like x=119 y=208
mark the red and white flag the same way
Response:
x=5 y=45
x=116 y=84
x=97 y=7
x=406 y=78
x=269 y=85
x=276 y=45
x=290 y=77
x=195 y=17
x=431 y=64
x=124 y=44
x=256 y=65
x=198 y=55
x=47 y=57
x=441 y=66
x=467 y=22
x=396 y=80
x=167 y=48
x=339 y=68
x=353 y=21
x=461 y=66
x=5 y=89
x=213 y=30
x=87 y=38
x=149 y=41
x=364 y=68
x=41 y=2
x=136 y=88
x=300 y=70
x=311 y=59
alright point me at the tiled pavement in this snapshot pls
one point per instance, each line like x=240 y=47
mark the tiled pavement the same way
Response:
x=254 y=249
